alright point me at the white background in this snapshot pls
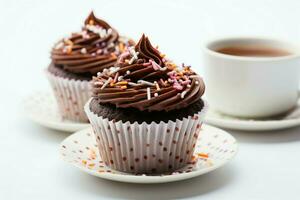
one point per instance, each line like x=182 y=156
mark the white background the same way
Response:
x=267 y=165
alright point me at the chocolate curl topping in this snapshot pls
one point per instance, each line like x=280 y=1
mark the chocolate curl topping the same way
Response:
x=147 y=51
x=93 y=20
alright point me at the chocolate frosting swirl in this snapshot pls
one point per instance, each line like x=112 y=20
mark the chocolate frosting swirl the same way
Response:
x=144 y=79
x=93 y=49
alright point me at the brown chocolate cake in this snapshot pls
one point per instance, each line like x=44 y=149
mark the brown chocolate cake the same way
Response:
x=146 y=112
x=78 y=57
x=132 y=115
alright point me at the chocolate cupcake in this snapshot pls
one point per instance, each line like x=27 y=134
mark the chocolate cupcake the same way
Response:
x=77 y=58
x=146 y=111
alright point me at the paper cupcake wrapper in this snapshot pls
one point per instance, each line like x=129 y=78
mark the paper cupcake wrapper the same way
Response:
x=146 y=148
x=71 y=96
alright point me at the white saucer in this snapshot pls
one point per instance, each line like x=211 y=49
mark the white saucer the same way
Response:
x=41 y=108
x=289 y=120
x=215 y=147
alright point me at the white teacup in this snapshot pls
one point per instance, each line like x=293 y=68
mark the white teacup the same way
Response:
x=251 y=86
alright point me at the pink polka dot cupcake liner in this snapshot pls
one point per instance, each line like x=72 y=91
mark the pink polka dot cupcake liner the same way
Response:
x=146 y=148
x=71 y=96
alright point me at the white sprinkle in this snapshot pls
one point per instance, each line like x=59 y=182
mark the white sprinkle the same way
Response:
x=155 y=94
x=113 y=70
x=111 y=45
x=148 y=93
x=196 y=82
x=133 y=53
x=131 y=60
x=194 y=76
x=188 y=86
x=93 y=54
x=127 y=72
x=183 y=94
x=98 y=73
x=163 y=69
x=136 y=55
x=83 y=51
x=98 y=83
x=106 y=83
x=59 y=45
x=99 y=30
x=146 y=83
x=120 y=78
x=105 y=71
x=133 y=84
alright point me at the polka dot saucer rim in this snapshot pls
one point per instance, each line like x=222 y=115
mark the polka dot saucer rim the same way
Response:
x=291 y=119
x=41 y=108
x=78 y=148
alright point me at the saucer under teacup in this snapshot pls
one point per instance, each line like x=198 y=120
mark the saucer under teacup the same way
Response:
x=287 y=120
x=41 y=108
x=214 y=148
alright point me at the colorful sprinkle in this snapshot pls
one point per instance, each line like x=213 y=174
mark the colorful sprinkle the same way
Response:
x=148 y=93
x=183 y=94
x=83 y=51
x=146 y=83
x=106 y=83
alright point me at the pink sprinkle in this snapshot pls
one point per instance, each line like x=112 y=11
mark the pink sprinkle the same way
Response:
x=177 y=86
x=93 y=54
x=185 y=82
x=124 y=55
x=146 y=64
x=99 y=51
x=154 y=65
x=162 y=82
x=116 y=77
x=172 y=73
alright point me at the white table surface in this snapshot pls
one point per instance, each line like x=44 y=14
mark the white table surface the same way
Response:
x=268 y=163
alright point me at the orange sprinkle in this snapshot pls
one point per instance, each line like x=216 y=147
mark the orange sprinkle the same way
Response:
x=162 y=55
x=113 y=55
x=171 y=66
x=67 y=41
x=69 y=49
x=91 y=165
x=84 y=162
x=124 y=87
x=121 y=47
x=157 y=86
x=203 y=155
x=121 y=83
x=101 y=171
x=93 y=155
x=91 y=22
